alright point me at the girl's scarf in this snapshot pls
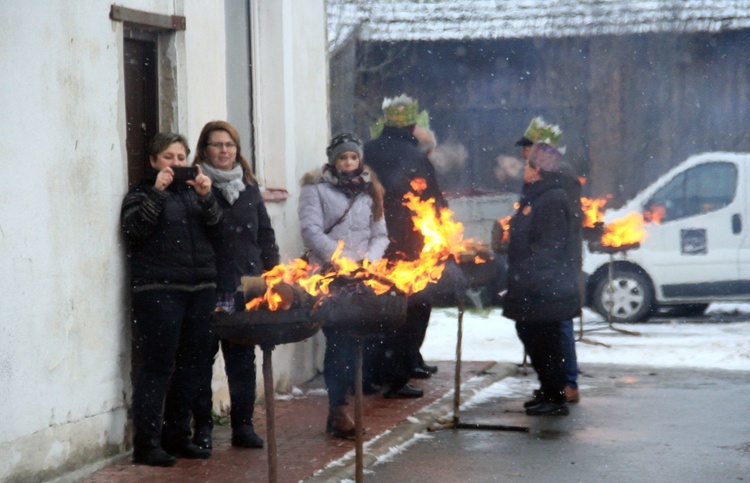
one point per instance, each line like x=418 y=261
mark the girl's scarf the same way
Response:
x=228 y=182
x=351 y=184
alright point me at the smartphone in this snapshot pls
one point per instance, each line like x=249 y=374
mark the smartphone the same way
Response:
x=184 y=173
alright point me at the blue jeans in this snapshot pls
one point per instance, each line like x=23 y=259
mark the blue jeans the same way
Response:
x=569 y=353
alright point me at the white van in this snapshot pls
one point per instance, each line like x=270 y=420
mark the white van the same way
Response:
x=698 y=254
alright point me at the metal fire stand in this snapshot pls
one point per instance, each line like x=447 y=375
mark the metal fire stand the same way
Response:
x=455 y=422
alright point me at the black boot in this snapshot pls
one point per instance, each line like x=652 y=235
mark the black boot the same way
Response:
x=548 y=408
x=186 y=450
x=202 y=437
x=245 y=437
x=538 y=398
x=153 y=457
x=404 y=392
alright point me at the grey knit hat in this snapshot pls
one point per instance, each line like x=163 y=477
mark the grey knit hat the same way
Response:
x=341 y=143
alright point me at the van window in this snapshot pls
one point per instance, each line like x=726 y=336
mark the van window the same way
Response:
x=701 y=189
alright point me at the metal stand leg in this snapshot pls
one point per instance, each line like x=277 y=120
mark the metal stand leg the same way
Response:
x=456 y=421
x=581 y=338
x=358 y=414
x=610 y=290
x=270 y=412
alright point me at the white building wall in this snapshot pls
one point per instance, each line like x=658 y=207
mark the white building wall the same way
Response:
x=291 y=133
x=64 y=326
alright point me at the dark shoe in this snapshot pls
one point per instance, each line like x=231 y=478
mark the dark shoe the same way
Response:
x=538 y=398
x=245 y=437
x=371 y=388
x=189 y=451
x=339 y=424
x=420 y=373
x=406 y=391
x=154 y=457
x=548 y=408
x=430 y=369
x=202 y=437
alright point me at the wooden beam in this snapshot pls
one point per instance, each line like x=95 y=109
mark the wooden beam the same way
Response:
x=147 y=19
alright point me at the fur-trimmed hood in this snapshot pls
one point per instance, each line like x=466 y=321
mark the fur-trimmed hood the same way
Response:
x=312 y=177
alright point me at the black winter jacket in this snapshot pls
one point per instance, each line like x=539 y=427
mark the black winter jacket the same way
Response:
x=542 y=272
x=248 y=245
x=397 y=160
x=171 y=235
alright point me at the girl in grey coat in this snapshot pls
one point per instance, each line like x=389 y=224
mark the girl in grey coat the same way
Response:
x=342 y=201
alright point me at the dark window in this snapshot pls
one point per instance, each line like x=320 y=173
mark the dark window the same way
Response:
x=700 y=189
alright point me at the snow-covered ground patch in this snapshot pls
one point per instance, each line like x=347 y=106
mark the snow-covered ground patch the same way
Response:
x=488 y=336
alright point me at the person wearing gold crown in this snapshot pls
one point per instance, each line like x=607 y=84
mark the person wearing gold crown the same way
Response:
x=539 y=130
x=394 y=154
x=543 y=289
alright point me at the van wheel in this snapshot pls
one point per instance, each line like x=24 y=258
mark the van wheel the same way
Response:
x=631 y=296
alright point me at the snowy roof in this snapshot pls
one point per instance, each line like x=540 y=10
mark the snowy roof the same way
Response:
x=396 y=20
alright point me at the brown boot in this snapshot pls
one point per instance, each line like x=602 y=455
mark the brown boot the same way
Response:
x=339 y=424
x=572 y=395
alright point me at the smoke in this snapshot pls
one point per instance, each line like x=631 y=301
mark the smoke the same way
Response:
x=449 y=156
x=508 y=168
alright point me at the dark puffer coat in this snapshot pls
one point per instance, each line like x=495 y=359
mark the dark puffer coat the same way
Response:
x=171 y=235
x=397 y=160
x=542 y=256
x=248 y=246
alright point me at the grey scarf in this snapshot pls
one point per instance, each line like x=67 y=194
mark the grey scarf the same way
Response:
x=228 y=182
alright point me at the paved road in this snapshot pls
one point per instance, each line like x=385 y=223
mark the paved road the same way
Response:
x=633 y=424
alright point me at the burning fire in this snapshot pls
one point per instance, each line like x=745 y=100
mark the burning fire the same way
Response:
x=593 y=212
x=443 y=238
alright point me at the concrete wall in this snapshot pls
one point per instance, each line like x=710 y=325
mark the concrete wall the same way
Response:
x=64 y=324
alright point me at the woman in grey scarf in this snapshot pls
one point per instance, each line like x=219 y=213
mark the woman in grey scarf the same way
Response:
x=248 y=247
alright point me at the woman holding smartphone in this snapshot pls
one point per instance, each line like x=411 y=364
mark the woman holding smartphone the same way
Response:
x=171 y=227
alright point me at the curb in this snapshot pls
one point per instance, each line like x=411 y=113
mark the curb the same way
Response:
x=441 y=410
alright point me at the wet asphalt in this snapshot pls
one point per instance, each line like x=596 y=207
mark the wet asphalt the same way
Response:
x=633 y=424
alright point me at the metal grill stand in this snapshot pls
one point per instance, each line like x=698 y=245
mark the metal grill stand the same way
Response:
x=610 y=289
x=267 y=329
x=455 y=422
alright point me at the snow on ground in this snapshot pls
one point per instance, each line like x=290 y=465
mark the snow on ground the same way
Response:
x=488 y=336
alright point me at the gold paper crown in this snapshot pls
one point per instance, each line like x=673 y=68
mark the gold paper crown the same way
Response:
x=541 y=132
x=400 y=112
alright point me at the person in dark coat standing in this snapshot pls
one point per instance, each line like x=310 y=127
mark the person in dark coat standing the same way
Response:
x=538 y=129
x=248 y=248
x=396 y=158
x=171 y=226
x=542 y=279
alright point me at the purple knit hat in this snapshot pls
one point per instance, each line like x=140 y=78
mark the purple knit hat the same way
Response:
x=545 y=157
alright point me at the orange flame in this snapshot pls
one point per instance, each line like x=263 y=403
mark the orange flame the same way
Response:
x=505 y=223
x=624 y=231
x=443 y=238
x=593 y=210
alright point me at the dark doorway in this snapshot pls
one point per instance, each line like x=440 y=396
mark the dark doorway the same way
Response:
x=141 y=104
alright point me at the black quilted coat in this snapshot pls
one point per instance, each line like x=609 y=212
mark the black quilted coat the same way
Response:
x=542 y=256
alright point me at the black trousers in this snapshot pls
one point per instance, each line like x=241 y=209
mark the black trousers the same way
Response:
x=239 y=364
x=171 y=330
x=401 y=346
x=544 y=345
x=338 y=365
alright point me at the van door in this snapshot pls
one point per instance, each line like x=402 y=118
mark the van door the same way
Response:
x=695 y=250
x=741 y=225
